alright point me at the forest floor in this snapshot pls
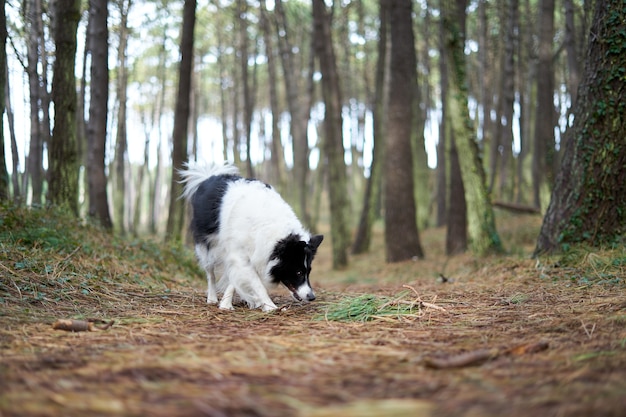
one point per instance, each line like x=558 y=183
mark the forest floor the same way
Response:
x=444 y=336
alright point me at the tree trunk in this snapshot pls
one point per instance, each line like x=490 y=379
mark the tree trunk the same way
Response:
x=588 y=201
x=277 y=157
x=62 y=153
x=4 y=174
x=248 y=99
x=421 y=172
x=369 y=210
x=450 y=185
x=526 y=93
x=456 y=232
x=401 y=235
x=481 y=223
x=573 y=59
x=34 y=165
x=442 y=146
x=15 y=177
x=544 y=147
x=333 y=140
x=119 y=194
x=176 y=215
x=221 y=68
x=506 y=179
x=98 y=109
x=298 y=113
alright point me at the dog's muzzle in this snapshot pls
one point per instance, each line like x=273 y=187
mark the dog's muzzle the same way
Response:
x=303 y=293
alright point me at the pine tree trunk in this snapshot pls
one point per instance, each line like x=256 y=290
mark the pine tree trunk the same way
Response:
x=34 y=164
x=4 y=174
x=456 y=232
x=176 y=214
x=277 y=159
x=248 y=100
x=401 y=235
x=442 y=144
x=481 y=222
x=299 y=115
x=544 y=146
x=506 y=179
x=589 y=199
x=15 y=177
x=63 y=156
x=333 y=140
x=98 y=110
x=369 y=210
x=119 y=193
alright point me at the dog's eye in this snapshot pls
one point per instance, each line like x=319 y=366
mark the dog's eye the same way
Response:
x=299 y=274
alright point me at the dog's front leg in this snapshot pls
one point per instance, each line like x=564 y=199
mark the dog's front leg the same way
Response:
x=227 y=299
x=211 y=297
x=249 y=285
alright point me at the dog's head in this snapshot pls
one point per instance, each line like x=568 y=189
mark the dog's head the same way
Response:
x=291 y=264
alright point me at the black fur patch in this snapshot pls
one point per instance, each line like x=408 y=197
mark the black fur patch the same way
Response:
x=206 y=203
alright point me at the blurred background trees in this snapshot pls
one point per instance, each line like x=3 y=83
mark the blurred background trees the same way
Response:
x=304 y=95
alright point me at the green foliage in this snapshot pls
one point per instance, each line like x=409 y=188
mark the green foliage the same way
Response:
x=46 y=230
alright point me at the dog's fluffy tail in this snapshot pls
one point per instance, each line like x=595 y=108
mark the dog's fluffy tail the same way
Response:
x=194 y=175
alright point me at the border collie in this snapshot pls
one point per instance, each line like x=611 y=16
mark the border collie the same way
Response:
x=244 y=231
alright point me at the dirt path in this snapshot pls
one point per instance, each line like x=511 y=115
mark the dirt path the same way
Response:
x=169 y=354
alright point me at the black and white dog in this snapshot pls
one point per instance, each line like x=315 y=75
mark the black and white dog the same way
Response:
x=245 y=232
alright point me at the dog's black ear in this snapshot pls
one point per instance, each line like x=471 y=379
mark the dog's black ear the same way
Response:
x=315 y=242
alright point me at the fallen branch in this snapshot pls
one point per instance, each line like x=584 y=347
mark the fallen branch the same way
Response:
x=88 y=325
x=516 y=208
x=474 y=357
x=477 y=357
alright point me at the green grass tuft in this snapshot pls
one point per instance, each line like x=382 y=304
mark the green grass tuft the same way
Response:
x=368 y=307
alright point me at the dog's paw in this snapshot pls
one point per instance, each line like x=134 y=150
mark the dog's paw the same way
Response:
x=269 y=307
x=226 y=306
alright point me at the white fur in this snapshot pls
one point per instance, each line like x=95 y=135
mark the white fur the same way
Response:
x=253 y=218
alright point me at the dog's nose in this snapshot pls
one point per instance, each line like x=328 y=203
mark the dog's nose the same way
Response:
x=310 y=296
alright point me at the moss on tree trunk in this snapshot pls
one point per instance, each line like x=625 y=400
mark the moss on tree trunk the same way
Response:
x=588 y=203
x=480 y=218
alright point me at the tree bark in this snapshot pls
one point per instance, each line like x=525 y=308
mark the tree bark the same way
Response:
x=248 y=99
x=15 y=177
x=63 y=156
x=481 y=222
x=298 y=113
x=588 y=201
x=369 y=210
x=456 y=232
x=401 y=235
x=119 y=194
x=442 y=146
x=4 y=174
x=333 y=140
x=176 y=215
x=506 y=180
x=34 y=164
x=277 y=159
x=544 y=146
x=98 y=110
